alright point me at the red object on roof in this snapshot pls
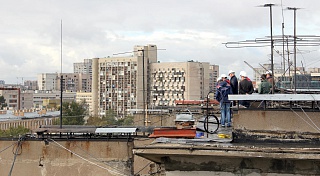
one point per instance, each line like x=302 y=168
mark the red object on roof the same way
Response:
x=173 y=133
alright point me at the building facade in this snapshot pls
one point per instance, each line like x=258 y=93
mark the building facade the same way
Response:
x=87 y=98
x=84 y=68
x=31 y=85
x=178 y=81
x=48 y=81
x=71 y=82
x=121 y=83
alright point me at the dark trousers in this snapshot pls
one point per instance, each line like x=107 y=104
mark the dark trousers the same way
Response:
x=245 y=103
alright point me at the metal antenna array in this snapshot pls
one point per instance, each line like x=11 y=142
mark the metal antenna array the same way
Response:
x=279 y=40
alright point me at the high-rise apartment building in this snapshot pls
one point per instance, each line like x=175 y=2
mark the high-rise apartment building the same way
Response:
x=71 y=82
x=121 y=83
x=48 y=81
x=178 y=81
x=213 y=75
x=84 y=68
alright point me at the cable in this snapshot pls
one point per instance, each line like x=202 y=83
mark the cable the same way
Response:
x=142 y=168
x=7 y=147
x=19 y=145
x=111 y=171
x=305 y=120
x=97 y=158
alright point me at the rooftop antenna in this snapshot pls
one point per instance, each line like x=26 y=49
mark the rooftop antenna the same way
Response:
x=294 y=47
x=271 y=35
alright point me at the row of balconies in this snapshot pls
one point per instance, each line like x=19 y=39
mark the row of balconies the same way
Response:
x=167 y=76
x=169 y=71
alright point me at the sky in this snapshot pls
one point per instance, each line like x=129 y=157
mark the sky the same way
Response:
x=30 y=32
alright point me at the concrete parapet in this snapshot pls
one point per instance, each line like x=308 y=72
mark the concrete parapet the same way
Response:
x=90 y=158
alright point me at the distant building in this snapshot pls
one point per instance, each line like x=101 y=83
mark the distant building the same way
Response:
x=72 y=82
x=213 y=76
x=31 y=85
x=12 y=97
x=48 y=81
x=121 y=83
x=41 y=99
x=84 y=68
x=2 y=82
x=87 y=98
x=134 y=83
x=172 y=81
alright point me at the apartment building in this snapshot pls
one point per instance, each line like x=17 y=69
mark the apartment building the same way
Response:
x=87 y=98
x=179 y=81
x=121 y=83
x=213 y=75
x=41 y=99
x=30 y=85
x=48 y=81
x=12 y=97
x=71 y=82
x=84 y=68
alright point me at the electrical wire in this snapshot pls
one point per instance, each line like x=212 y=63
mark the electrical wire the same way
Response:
x=142 y=168
x=109 y=170
x=315 y=127
x=7 y=147
x=95 y=158
x=19 y=146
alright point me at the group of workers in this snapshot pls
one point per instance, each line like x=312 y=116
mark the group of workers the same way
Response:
x=227 y=86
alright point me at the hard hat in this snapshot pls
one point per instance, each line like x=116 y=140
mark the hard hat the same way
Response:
x=269 y=72
x=223 y=76
x=243 y=73
x=231 y=71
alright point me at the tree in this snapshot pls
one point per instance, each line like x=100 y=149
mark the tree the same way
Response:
x=14 y=132
x=73 y=113
x=110 y=119
x=2 y=102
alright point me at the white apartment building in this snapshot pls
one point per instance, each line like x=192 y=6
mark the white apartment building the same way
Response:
x=87 y=98
x=48 y=81
x=121 y=83
x=179 y=81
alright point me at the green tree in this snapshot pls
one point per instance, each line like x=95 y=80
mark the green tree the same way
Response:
x=110 y=119
x=14 y=132
x=73 y=113
x=2 y=102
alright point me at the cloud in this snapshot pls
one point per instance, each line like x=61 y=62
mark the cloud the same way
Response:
x=187 y=29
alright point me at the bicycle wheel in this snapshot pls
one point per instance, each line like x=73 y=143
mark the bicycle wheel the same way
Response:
x=211 y=124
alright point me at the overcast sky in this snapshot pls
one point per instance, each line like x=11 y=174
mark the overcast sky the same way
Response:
x=188 y=29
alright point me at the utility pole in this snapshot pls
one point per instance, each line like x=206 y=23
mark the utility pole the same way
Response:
x=145 y=118
x=271 y=35
x=294 y=47
x=61 y=81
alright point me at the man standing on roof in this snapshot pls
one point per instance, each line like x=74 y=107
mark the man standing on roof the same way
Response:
x=245 y=87
x=222 y=97
x=233 y=84
x=265 y=86
x=271 y=80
